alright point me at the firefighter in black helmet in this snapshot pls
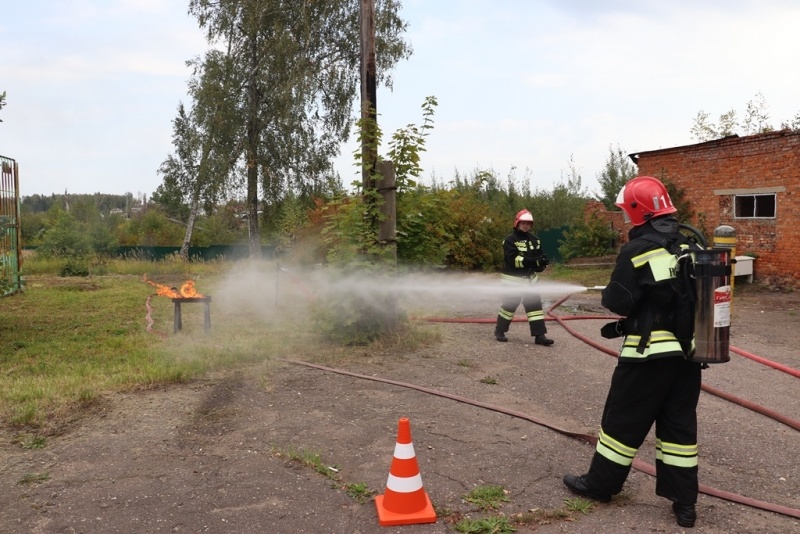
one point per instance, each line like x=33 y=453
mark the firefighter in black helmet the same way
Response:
x=524 y=259
x=654 y=381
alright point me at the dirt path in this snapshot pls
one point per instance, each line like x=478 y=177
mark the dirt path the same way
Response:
x=204 y=457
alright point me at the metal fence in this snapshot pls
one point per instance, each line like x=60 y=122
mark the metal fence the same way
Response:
x=10 y=249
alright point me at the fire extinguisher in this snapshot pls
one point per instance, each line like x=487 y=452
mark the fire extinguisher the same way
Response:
x=712 y=320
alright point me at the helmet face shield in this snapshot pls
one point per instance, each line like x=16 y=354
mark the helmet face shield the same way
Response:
x=621 y=203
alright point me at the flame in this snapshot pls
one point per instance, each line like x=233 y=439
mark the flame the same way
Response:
x=186 y=290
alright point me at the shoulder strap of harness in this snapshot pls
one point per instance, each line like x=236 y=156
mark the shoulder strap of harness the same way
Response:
x=673 y=245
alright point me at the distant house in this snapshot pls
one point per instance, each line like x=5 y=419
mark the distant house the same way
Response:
x=750 y=183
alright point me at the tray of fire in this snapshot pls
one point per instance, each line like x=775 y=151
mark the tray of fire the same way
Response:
x=185 y=295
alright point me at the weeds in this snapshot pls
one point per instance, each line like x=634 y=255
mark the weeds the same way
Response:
x=357 y=491
x=491 y=498
x=487 y=497
x=314 y=461
x=489 y=380
x=486 y=525
x=541 y=517
x=34 y=478
x=33 y=442
x=577 y=504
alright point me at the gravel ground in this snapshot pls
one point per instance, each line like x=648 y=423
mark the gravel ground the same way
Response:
x=210 y=456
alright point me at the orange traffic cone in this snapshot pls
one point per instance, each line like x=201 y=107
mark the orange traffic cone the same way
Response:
x=405 y=502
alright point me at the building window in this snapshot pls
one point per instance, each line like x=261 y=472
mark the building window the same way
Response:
x=754 y=206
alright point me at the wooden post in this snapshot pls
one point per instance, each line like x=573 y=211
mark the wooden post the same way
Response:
x=387 y=235
x=387 y=230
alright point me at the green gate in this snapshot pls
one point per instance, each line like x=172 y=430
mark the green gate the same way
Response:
x=10 y=249
x=551 y=240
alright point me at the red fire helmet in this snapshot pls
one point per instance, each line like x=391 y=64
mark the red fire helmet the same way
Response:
x=643 y=198
x=522 y=215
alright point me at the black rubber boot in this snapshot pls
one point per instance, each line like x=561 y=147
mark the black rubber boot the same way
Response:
x=500 y=328
x=542 y=339
x=579 y=485
x=685 y=514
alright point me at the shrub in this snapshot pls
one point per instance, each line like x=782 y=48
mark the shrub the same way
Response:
x=591 y=237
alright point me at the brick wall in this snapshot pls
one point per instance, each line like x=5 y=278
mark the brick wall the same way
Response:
x=712 y=172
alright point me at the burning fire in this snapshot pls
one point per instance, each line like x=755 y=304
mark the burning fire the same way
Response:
x=187 y=290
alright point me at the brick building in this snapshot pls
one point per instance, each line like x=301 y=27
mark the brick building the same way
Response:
x=750 y=183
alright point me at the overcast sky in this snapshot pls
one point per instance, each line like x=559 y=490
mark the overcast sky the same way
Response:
x=93 y=85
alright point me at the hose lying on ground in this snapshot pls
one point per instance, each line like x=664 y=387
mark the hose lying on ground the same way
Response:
x=637 y=464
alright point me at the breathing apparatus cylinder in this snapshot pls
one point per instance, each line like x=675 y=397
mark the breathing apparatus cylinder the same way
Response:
x=712 y=316
x=712 y=320
x=725 y=237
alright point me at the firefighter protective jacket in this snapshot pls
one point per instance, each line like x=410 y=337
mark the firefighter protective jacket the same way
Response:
x=641 y=291
x=523 y=256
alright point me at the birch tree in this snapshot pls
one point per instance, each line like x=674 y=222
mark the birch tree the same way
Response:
x=294 y=75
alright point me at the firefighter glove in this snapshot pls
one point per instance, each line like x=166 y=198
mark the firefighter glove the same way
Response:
x=541 y=263
x=530 y=263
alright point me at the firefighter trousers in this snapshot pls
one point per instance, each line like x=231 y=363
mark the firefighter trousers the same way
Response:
x=664 y=391
x=531 y=302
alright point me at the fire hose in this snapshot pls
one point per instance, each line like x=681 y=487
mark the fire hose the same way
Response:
x=638 y=464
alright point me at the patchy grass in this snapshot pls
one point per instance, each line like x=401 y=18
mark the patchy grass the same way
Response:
x=590 y=276
x=487 y=497
x=312 y=460
x=485 y=525
x=32 y=442
x=491 y=498
x=34 y=478
x=66 y=344
x=539 y=516
x=358 y=491
x=578 y=504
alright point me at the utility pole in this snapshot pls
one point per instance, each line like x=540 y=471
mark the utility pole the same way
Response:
x=371 y=189
x=369 y=105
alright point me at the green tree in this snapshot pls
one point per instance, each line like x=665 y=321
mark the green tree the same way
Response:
x=293 y=76
x=204 y=139
x=561 y=206
x=351 y=232
x=793 y=124
x=756 y=120
x=220 y=228
x=618 y=171
x=65 y=236
x=151 y=228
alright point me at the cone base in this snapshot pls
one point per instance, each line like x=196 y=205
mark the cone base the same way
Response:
x=388 y=519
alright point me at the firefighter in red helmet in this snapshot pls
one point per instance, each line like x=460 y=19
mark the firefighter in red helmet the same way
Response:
x=524 y=259
x=654 y=380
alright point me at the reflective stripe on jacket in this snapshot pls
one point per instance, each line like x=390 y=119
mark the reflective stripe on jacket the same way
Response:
x=640 y=290
x=516 y=247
